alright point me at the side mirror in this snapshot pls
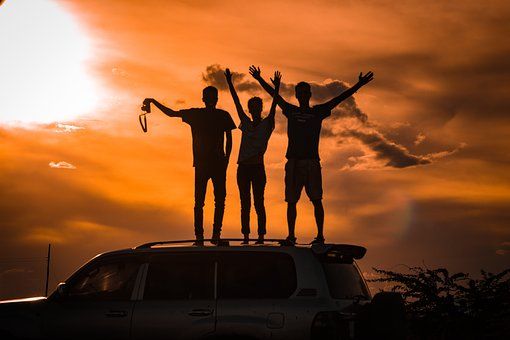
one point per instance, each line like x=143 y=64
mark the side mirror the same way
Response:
x=62 y=290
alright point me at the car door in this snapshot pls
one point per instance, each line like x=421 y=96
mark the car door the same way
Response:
x=178 y=299
x=97 y=302
x=253 y=294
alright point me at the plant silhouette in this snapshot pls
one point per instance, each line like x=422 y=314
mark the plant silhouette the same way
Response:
x=444 y=305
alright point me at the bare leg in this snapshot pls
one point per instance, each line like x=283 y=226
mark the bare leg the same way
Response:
x=291 y=218
x=318 y=210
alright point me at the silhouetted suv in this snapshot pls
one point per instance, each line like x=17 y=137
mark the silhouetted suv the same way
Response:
x=167 y=290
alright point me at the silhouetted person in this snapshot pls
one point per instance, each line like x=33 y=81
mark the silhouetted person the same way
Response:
x=251 y=173
x=303 y=167
x=211 y=154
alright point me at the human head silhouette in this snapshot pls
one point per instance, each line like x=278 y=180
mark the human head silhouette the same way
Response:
x=255 y=107
x=303 y=93
x=210 y=96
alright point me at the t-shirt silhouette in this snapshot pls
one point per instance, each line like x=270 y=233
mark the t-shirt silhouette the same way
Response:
x=208 y=127
x=304 y=129
x=254 y=140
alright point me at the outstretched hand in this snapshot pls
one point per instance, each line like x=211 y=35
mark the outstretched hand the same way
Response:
x=228 y=75
x=255 y=71
x=365 y=79
x=146 y=104
x=276 y=80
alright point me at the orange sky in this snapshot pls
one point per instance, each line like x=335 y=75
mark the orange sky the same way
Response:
x=424 y=181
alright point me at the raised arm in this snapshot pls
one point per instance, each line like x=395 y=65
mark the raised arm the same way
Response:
x=228 y=144
x=255 y=72
x=239 y=108
x=362 y=81
x=166 y=110
x=276 y=82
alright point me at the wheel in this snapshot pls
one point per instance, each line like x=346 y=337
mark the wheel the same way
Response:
x=383 y=318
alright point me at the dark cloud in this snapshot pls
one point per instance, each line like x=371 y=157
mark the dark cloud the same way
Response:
x=41 y=205
x=393 y=154
x=214 y=75
x=441 y=88
x=55 y=201
x=443 y=231
x=383 y=212
x=321 y=92
x=397 y=156
x=438 y=226
x=78 y=221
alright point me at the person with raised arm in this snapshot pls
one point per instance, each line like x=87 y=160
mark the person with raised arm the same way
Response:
x=209 y=128
x=251 y=174
x=303 y=167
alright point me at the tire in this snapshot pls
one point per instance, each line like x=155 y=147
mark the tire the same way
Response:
x=383 y=318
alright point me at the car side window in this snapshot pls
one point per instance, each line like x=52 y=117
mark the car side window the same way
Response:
x=256 y=275
x=105 y=281
x=184 y=276
x=344 y=281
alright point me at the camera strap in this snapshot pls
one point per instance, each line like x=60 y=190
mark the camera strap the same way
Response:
x=142 y=118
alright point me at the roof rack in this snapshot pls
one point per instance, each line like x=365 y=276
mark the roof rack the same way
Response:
x=328 y=250
x=225 y=242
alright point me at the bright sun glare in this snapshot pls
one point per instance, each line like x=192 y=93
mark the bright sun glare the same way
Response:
x=43 y=75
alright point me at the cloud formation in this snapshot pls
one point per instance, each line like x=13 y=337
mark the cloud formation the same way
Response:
x=61 y=165
x=419 y=138
x=394 y=155
x=503 y=249
x=386 y=153
x=136 y=187
x=382 y=151
x=321 y=92
x=67 y=128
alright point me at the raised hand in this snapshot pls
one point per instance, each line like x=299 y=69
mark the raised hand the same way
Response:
x=146 y=104
x=365 y=79
x=276 y=80
x=255 y=71
x=228 y=75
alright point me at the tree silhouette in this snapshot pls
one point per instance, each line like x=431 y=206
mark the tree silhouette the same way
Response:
x=443 y=305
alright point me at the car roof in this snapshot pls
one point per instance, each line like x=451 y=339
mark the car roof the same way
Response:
x=343 y=250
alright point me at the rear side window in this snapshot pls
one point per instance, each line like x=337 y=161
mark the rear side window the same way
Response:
x=344 y=281
x=256 y=275
x=185 y=276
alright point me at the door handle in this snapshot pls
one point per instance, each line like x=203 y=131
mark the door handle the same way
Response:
x=200 y=312
x=116 y=314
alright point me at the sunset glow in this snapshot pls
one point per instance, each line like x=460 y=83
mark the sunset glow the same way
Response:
x=43 y=67
x=416 y=165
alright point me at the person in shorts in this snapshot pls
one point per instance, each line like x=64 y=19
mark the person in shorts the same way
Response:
x=303 y=169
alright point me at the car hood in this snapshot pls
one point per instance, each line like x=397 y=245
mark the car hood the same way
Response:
x=8 y=307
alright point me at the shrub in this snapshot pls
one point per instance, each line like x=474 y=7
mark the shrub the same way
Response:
x=441 y=305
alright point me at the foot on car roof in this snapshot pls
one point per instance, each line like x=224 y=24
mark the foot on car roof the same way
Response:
x=289 y=241
x=260 y=240
x=318 y=240
x=215 y=239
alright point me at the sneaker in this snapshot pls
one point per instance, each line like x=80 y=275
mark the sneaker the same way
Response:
x=199 y=242
x=289 y=241
x=246 y=239
x=260 y=240
x=215 y=239
x=318 y=240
